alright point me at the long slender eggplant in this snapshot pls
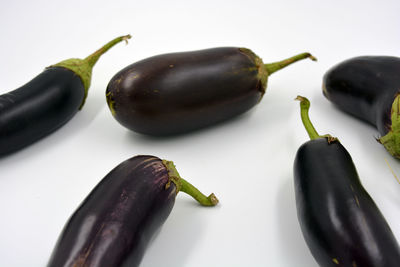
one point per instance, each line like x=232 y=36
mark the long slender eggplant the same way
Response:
x=115 y=222
x=47 y=102
x=180 y=92
x=341 y=223
x=368 y=88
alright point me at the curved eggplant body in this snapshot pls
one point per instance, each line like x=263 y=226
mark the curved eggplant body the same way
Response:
x=340 y=222
x=114 y=224
x=48 y=101
x=180 y=92
x=38 y=108
x=365 y=87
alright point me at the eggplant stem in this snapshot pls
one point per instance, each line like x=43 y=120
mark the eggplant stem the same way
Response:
x=304 y=107
x=184 y=186
x=275 y=66
x=189 y=189
x=94 y=57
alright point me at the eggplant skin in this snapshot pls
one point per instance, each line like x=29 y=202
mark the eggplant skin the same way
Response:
x=115 y=222
x=340 y=222
x=38 y=108
x=365 y=87
x=180 y=92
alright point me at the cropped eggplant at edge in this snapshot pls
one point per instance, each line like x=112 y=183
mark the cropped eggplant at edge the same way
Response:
x=47 y=102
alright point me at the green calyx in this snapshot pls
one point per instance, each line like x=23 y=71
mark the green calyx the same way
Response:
x=262 y=74
x=391 y=141
x=265 y=70
x=83 y=67
x=184 y=186
x=312 y=133
x=111 y=103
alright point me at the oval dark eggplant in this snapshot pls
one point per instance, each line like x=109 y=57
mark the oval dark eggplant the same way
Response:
x=181 y=92
x=341 y=223
x=47 y=102
x=116 y=221
x=367 y=87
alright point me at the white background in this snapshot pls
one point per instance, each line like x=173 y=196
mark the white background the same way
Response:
x=247 y=162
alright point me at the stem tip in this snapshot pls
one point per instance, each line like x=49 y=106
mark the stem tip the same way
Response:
x=213 y=199
x=312 y=57
x=300 y=98
x=126 y=37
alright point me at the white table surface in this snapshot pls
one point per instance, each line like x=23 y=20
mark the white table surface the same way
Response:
x=247 y=162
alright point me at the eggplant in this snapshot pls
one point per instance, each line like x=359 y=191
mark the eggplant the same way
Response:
x=116 y=221
x=177 y=93
x=368 y=87
x=47 y=102
x=340 y=222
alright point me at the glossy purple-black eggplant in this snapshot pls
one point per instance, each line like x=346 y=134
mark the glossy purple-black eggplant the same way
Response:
x=367 y=87
x=47 y=102
x=116 y=221
x=341 y=223
x=180 y=92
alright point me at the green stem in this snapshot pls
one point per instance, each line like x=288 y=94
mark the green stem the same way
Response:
x=304 y=107
x=189 y=189
x=275 y=66
x=92 y=59
x=83 y=67
x=184 y=186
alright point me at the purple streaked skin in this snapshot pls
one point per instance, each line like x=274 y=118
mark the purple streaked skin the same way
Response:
x=115 y=222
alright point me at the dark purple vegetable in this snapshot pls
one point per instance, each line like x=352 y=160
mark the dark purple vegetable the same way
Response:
x=181 y=92
x=47 y=102
x=115 y=222
x=367 y=87
x=340 y=222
